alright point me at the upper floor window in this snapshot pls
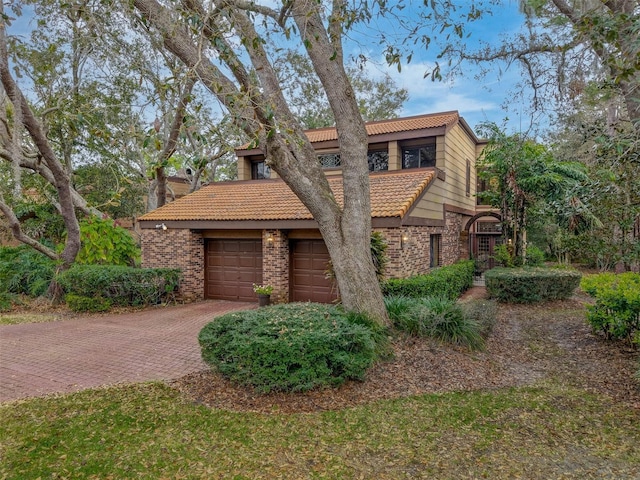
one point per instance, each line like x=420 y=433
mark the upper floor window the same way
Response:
x=419 y=156
x=260 y=171
x=378 y=161
x=329 y=160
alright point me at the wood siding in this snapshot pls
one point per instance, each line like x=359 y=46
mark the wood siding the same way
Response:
x=452 y=153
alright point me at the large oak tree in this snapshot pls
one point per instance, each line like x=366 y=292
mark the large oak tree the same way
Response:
x=226 y=44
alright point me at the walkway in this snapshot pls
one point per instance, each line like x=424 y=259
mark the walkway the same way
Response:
x=59 y=357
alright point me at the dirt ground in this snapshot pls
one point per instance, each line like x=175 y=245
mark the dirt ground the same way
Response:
x=528 y=343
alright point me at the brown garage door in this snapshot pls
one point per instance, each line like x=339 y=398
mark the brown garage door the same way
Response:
x=309 y=259
x=233 y=266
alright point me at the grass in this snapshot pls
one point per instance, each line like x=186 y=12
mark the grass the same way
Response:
x=17 y=318
x=148 y=431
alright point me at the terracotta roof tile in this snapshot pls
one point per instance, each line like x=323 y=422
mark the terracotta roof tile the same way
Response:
x=382 y=127
x=392 y=194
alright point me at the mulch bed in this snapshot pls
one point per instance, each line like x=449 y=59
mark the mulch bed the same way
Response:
x=528 y=344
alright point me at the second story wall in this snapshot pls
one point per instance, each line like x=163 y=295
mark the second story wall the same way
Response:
x=455 y=157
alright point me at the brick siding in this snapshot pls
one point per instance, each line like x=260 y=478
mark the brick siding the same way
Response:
x=184 y=249
x=275 y=264
x=177 y=248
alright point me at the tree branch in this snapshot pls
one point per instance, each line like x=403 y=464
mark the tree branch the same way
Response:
x=18 y=234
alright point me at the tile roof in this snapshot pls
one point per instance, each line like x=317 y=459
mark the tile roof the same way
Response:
x=395 y=125
x=392 y=194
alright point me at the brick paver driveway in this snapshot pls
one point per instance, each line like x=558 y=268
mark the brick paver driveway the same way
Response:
x=57 y=357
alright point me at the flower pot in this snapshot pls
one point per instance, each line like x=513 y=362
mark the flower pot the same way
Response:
x=264 y=299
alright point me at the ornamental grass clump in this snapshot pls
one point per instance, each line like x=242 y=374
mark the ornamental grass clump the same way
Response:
x=289 y=348
x=438 y=318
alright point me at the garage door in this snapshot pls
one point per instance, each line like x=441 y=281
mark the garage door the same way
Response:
x=232 y=267
x=309 y=260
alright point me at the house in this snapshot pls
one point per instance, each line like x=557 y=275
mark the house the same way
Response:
x=229 y=235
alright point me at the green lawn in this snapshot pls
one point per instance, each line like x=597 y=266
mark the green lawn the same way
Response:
x=149 y=431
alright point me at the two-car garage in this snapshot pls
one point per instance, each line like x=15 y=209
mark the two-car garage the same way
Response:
x=232 y=266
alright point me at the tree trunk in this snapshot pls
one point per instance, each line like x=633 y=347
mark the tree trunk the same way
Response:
x=161 y=187
x=257 y=105
x=60 y=180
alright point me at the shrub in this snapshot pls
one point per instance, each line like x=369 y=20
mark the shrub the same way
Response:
x=448 y=282
x=445 y=320
x=535 y=256
x=616 y=312
x=6 y=301
x=291 y=347
x=105 y=243
x=503 y=255
x=530 y=284
x=124 y=286
x=25 y=270
x=78 y=303
x=435 y=317
x=402 y=312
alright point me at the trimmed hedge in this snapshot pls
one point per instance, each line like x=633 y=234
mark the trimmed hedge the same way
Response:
x=123 y=286
x=447 y=282
x=79 y=303
x=290 y=347
x=616 y=312
x=530 y=284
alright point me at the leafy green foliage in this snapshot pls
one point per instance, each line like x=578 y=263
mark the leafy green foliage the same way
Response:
x=78 y=303
x=105 y=186
x=6 y=301
x=530 y=284
x=379 y=254
x=435 y=317
x=25 y=270
x=503 y=255
x=524 y=176
x=616 y=313
x=121 y=285
x=40 y=221
x=378 y=99
x=292 y=347
x=104 y=243
x=447 y=282
x=535 y=256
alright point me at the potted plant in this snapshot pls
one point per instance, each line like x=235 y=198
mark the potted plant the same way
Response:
x=264 y=294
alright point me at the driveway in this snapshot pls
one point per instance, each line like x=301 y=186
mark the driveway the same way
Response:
x=159 y=343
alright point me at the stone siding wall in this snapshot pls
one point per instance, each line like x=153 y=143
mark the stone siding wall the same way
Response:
x=452 y=250
x=413 y=256
x=177 y=248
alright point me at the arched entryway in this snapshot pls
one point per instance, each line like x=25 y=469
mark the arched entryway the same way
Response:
x=484 y=236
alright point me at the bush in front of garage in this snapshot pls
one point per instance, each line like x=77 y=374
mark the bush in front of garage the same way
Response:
x=122 y=286
x=291 y=347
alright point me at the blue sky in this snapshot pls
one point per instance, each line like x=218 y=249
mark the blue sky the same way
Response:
x=488 y=99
